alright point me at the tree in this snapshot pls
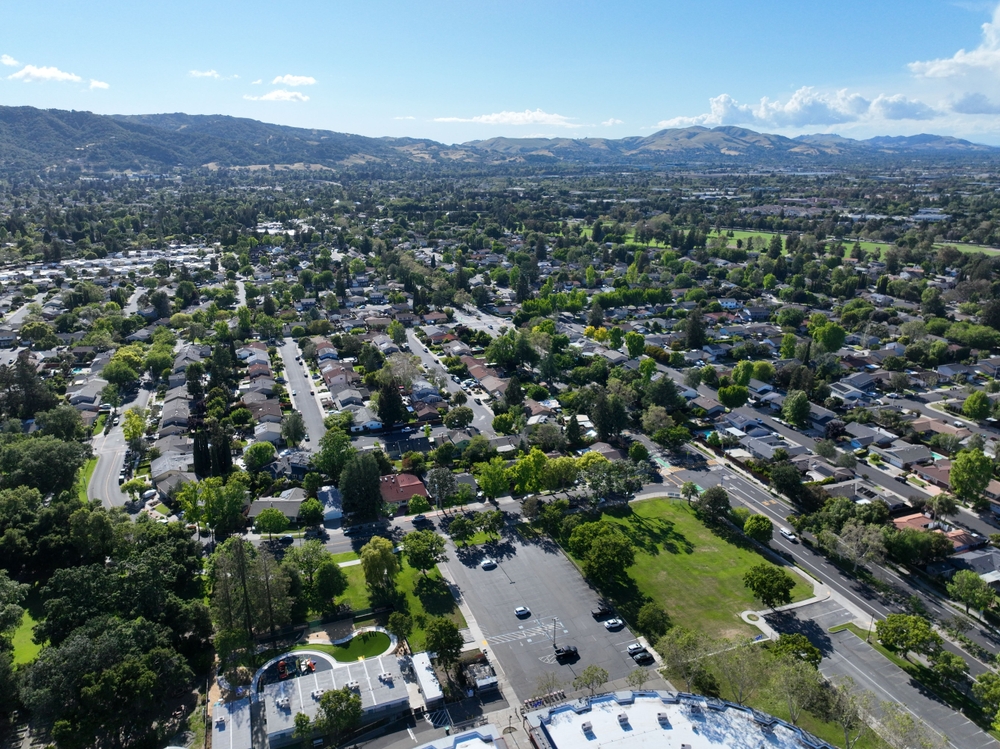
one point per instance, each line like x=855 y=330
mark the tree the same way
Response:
x=733 y=396
x=860 y=543
x=271 y=521
x=378 y=562
x=390 y=403
x=119 y=373
x=796 y=684
x=418 y=504
x=683 y=651
x=592 y=677
x=942 y=505
x=742 y=667
x=360 y=483
x=713 y=505
x=397 y=332
x=423 y=550
x=441 y=484
x=950 y=667
x=969 y=588
x=689 y=490
x=796 y=408
x=334 y=451
x=461 y=529
x=656 y=418
x=971 y=472
x=977 y=406
x=850 y=710
x=637 y=678
x=987 y=690
x=742 y=372
x=258 y=455
x=906 y=633
x=608 y=557
x=445 y=641
x=759 y=528
x=293 y=428
x=638 y=452
x=303 y=724
x=694 y=329
x=62 y=422
x=459 y=418
x=399 y=624
x=340 y=711
x=311 y=512
x=763 y=371
x=329 y=582
x=788 y=344
x=799 y=647
x=653 y=621
x=770 y=585
x=826 y=449
x=635 y=343
x=830 y=336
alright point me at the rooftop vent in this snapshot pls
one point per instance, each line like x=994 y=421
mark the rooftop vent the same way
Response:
x=622 y=718
x=588 y=727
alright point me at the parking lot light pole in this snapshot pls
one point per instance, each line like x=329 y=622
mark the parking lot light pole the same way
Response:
x=554 y=631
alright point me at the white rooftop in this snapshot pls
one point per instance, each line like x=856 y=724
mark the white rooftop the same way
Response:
x=231 y=725
x=662 y=720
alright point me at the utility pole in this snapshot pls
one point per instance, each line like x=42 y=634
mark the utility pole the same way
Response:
x=553 y=631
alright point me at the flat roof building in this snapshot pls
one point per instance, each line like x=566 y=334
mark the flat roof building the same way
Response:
x=427 y=680
x=231 y=725
x=378 y=681
x=662 y=720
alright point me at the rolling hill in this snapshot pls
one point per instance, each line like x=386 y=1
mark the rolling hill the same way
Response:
x=44 y=139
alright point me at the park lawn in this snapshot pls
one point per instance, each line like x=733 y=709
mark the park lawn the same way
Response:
x=430 y=596
x=83 y=481
x=345 y=556
x=970 y=247
x=99 y=425
x=362 y=645
x=479 y=538
x=765 y=237
x=356 y=595
x=696 y=575
x=25 y=649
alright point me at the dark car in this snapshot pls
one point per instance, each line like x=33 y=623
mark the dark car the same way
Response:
x=600 y=612
x=287 y=540
x=642 y=656
x=566 y=653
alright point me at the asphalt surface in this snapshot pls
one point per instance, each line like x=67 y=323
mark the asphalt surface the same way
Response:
x=301 y=383
x=110 y=451
x=560 y=604
x=482 y=415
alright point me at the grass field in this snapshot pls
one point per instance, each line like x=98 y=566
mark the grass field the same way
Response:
x=695 y=574
x=25 y=650
x=418 y=596
x=345 y=556
x=84 y=479
x=99 y=424
x=364 y=645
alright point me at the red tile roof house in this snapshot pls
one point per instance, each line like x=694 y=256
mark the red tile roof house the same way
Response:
x=398 y=488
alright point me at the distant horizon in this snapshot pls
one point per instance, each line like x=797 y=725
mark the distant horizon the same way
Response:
x=456 y=72
x=555 y=136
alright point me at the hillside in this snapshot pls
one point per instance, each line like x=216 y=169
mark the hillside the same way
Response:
x=36 y=139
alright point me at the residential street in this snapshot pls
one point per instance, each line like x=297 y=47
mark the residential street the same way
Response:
x=300 y=383
x=110 y=451
x=483 y=416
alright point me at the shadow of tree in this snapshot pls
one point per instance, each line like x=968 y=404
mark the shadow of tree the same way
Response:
x=789 y=623
x=651 y=535
x=435 y=596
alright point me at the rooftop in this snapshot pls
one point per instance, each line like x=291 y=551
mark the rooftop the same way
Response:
x=662 y=720
x=231 y=725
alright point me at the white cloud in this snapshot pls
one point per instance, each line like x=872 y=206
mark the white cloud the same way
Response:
x=9 y=61
x=527 y=117
x=278 y=95
x=984 y=57
x=31 y=74
x=98 y=84
x=204 y=74
x=805 y=107
x=257 y=82
x=294 y=80
x=612 y=121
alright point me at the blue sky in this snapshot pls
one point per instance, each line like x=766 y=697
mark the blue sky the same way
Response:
x=457 y=71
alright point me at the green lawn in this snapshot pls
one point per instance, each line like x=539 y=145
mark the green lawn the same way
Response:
x=84 y=479
x=345 y=556
x=363 y=645
x=99 y=424
x=357 y=594
x=480 y=538
x=25 y=650
x=695 y=574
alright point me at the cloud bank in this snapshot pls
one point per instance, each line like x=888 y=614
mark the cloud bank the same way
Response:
x=278 y=95
x=985 y=57
x=33 y=74
x=527 y=117
x=294 y=80
x=807 y=106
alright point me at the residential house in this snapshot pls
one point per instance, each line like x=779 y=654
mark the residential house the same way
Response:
x=902 y=454
x=399 y=488
x=710 y=406
x=268 y=431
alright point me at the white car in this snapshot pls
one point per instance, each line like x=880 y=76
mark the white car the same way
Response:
x=488 y=564
x=894 y=395
x=521 y=611
x=615 y=623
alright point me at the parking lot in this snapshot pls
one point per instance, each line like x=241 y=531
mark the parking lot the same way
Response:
x=538 y=577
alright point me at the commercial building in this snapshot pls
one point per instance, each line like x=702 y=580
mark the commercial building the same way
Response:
x=661 y=720
x=231 y=725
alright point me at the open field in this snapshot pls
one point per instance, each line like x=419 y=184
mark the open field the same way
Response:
x=695 y=574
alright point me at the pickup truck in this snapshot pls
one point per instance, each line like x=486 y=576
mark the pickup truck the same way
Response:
x=566 y=652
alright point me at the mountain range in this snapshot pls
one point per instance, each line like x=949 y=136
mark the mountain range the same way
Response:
x=34 y=140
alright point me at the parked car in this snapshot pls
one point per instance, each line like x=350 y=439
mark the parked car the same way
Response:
x=488 y=564
x=419 y=519
x=286 y=540
x=522 y=611
x=566 y=652
x=636 y=647
x=600 y=612
x=642 y=656
x=615 y=623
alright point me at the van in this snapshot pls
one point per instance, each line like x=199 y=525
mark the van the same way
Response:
x=787 y=533
x=148 y=494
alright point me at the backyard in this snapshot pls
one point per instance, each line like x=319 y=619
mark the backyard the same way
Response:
x=690 y=570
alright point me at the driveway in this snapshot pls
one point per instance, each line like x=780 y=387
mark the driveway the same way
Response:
x=538 y=576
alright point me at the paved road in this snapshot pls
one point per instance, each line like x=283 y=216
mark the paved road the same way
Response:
x=110 y=450
x=133 y=302
x=300 y=383
x=21 y=312
x=482 y=415
x=480 y=320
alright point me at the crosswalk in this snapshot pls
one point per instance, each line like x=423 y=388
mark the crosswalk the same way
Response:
x=438 y=718
x=543 y=631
